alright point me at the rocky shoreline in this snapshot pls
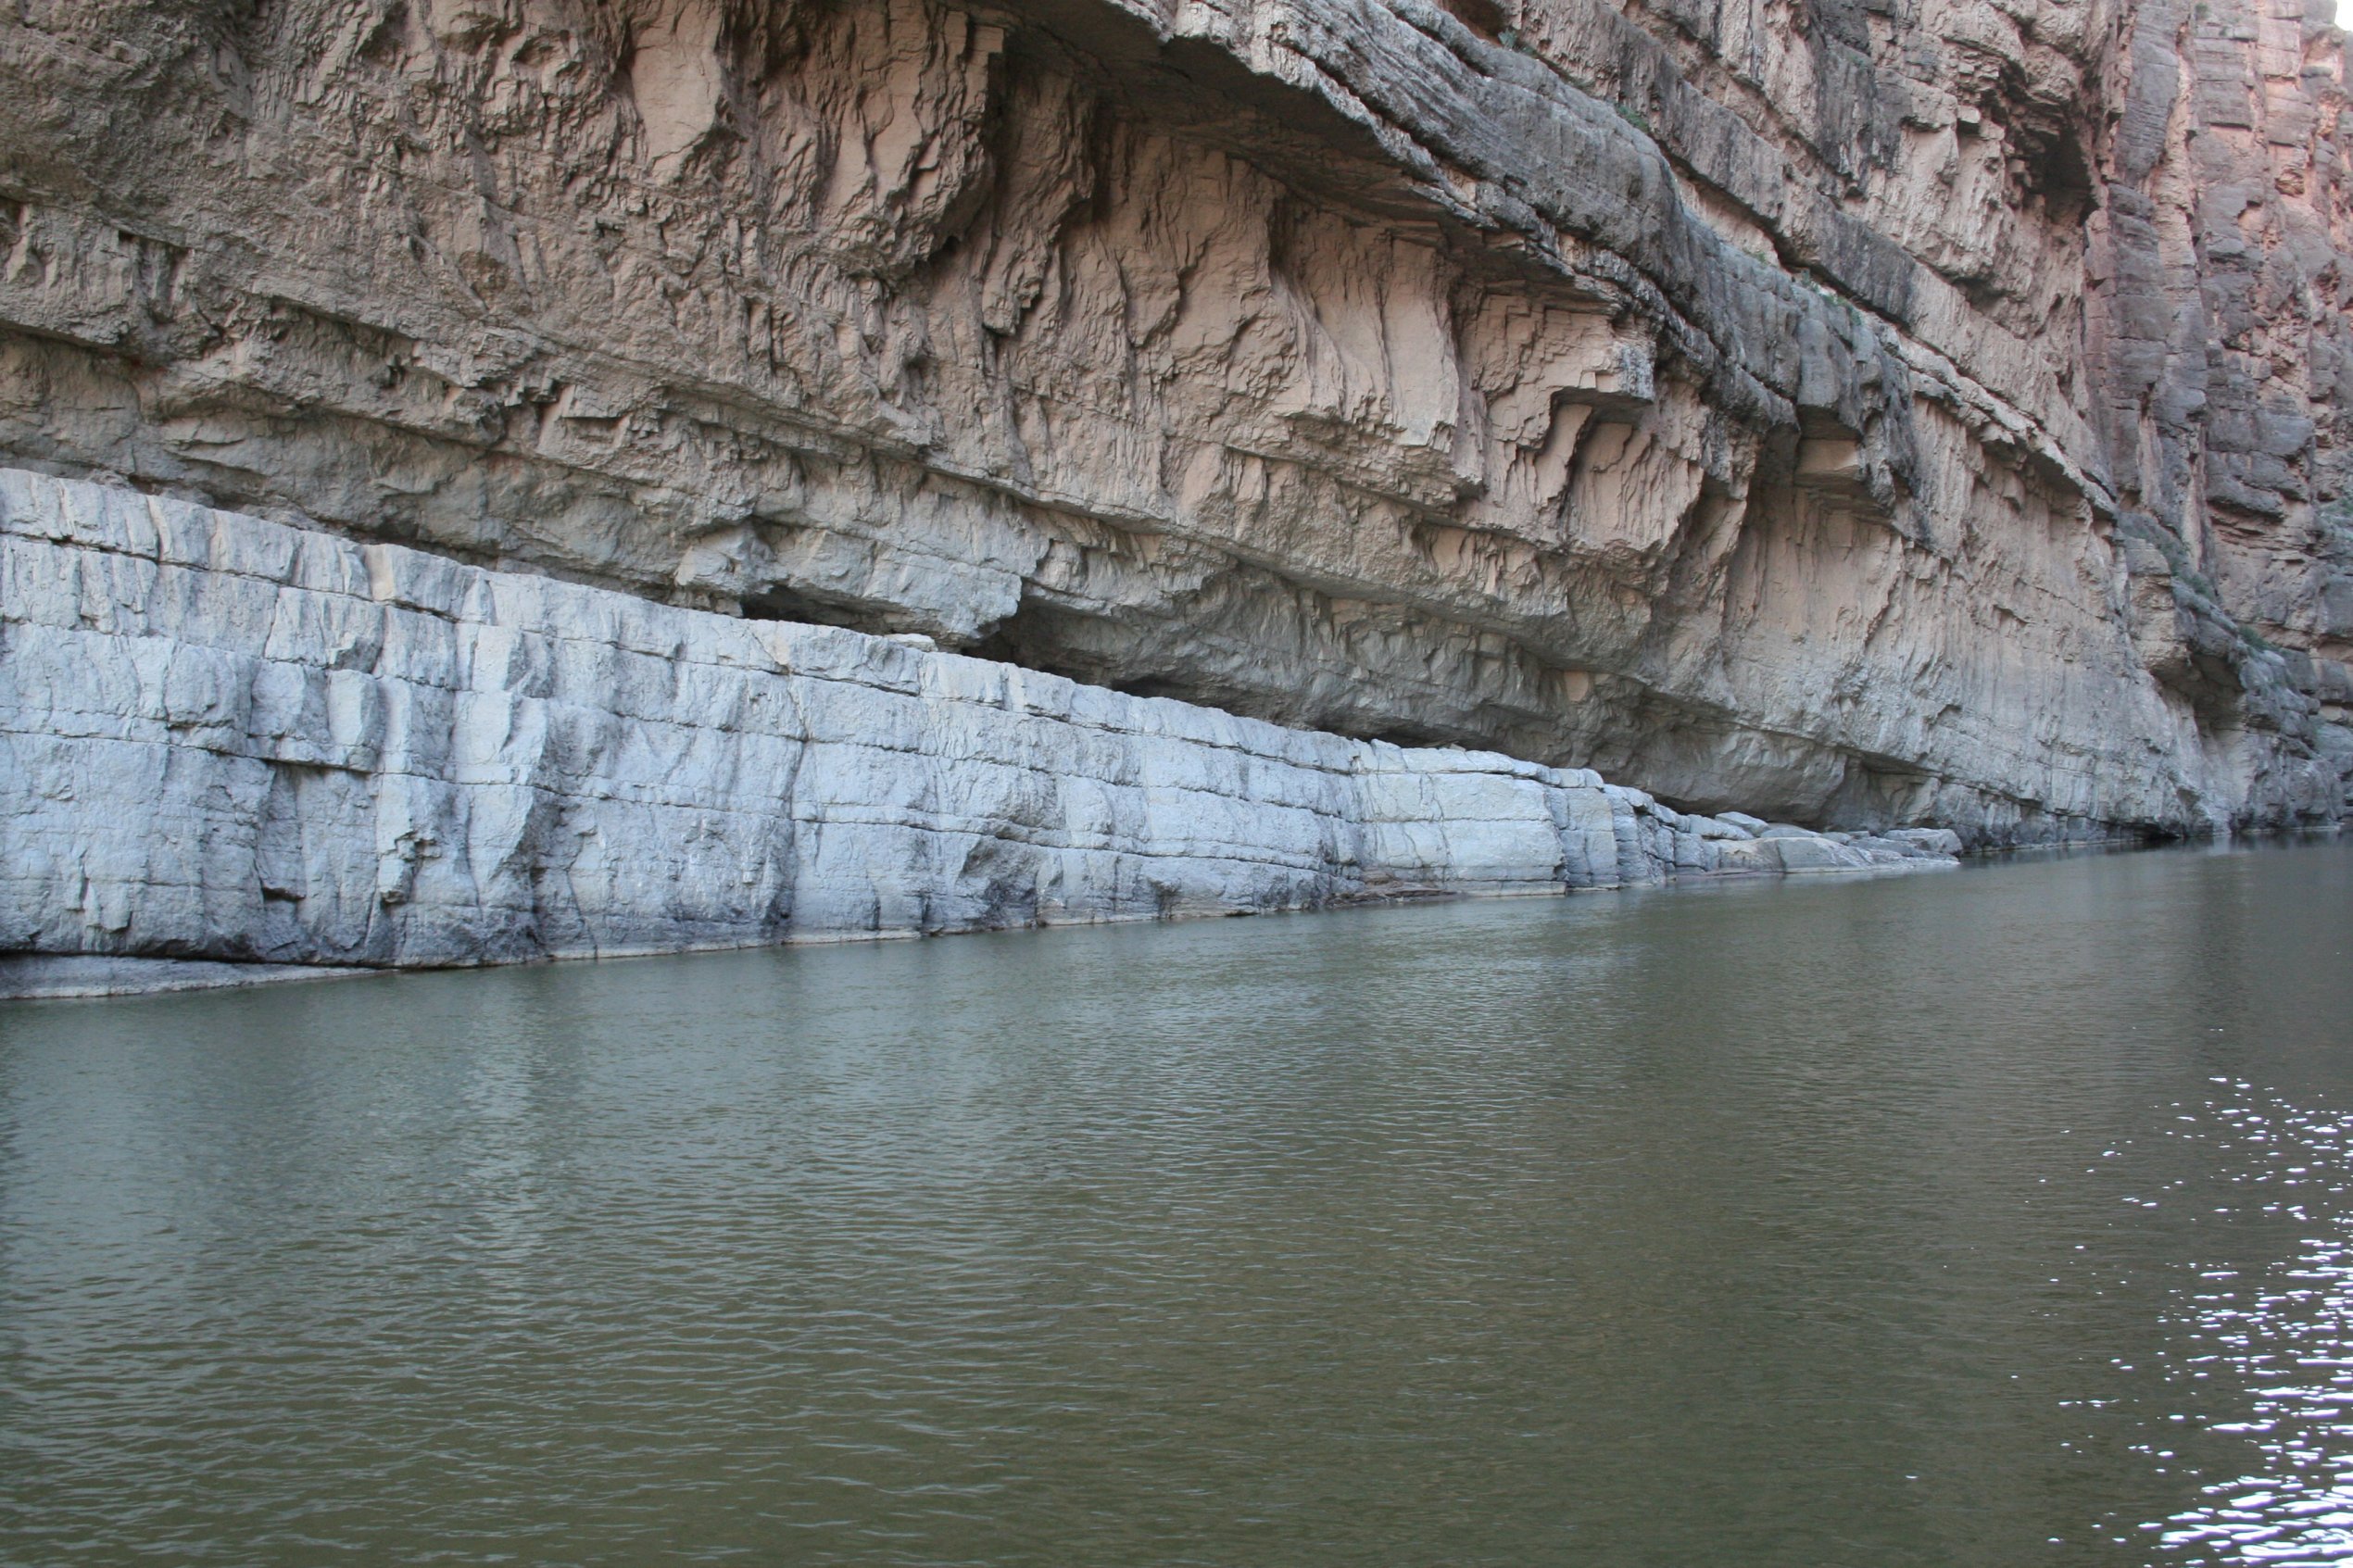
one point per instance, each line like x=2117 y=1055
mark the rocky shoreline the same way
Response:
x=233 y=742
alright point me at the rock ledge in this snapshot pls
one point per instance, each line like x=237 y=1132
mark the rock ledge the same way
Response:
x=231 y=741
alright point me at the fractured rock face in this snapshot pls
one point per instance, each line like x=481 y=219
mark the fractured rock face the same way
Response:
x=1861 y=415
x=225 y=739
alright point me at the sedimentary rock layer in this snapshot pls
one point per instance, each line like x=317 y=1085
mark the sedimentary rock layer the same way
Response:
x=224 y=738
x=1866 y=413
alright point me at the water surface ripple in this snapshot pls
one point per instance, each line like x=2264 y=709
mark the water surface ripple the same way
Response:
x=1998 y=1217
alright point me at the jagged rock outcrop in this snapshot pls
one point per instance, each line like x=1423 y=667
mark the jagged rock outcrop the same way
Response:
x=1895 y=412
x=226 y=739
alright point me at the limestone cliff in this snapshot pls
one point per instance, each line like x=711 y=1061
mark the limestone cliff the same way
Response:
x=1878 y=413
x=225 y=739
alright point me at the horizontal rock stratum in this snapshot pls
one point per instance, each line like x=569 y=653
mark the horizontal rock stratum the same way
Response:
x=1875 y=414
x=223 y=738
x=1865 y=414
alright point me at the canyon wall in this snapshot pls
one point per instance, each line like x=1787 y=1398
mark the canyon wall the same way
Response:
x=1861 y=412
x=227 y=740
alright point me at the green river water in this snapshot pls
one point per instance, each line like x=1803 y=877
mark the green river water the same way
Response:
x=1993 y=1217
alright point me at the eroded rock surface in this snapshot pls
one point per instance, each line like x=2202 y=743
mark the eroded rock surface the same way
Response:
x=1865 y=413
x=225 y=739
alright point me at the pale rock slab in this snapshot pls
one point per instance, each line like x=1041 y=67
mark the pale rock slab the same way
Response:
x=229 y=740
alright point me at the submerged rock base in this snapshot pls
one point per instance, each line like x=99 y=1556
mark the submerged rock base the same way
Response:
x=229 y=740
x=57 y=976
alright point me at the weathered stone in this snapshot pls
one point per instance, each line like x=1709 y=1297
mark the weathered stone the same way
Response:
x=1925 y=841
x=1804 y=852
x=226 y=739
x=1747 y=410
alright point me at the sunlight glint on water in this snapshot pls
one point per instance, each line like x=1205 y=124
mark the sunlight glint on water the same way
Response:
x=2282 y=1338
